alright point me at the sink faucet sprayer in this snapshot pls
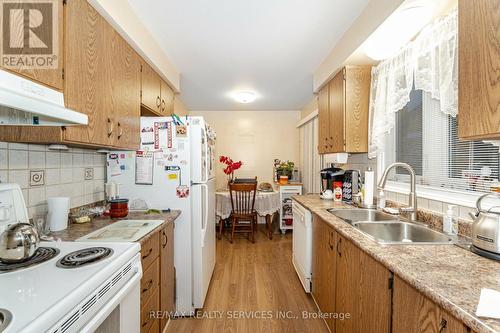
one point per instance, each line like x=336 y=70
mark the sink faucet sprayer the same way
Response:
x=412 y=202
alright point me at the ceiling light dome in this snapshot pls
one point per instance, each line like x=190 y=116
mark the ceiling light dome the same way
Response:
x=245 y=96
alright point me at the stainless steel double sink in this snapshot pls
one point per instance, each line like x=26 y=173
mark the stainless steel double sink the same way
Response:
x=388 y=229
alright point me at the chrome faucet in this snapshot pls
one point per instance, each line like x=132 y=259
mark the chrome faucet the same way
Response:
x=412 y=202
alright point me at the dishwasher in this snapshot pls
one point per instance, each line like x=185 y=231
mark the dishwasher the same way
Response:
x=302 y=244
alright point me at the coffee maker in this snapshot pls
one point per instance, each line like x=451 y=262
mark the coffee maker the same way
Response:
x=330 y=175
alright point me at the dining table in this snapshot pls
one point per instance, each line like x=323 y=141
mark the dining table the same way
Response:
x=267 y=205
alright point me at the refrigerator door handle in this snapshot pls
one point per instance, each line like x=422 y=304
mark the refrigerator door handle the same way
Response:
x=207 y=157
x=204 y=221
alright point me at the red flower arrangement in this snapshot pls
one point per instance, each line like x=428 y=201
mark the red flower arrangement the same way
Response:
x=231 y=166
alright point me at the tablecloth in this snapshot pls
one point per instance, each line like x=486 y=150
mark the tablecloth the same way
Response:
x=266 y=203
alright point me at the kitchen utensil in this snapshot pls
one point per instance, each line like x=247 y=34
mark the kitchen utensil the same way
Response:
x=58 y=211
x=18 y=243
x=118 y=208
x=486 y=228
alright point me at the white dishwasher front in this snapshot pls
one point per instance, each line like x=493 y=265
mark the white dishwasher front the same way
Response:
x=302 y=244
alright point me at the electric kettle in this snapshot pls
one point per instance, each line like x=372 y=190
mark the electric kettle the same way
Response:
x=486 y=228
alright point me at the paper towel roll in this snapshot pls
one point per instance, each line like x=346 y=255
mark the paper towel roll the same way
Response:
x=58 y=210
x=369 y=187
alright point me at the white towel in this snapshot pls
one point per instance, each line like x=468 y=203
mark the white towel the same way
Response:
x=489 y=304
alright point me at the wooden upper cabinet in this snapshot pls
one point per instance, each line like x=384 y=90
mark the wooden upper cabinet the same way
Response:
x=323 y=120
x=167 y=99
x=343 y=111
x=413 y=312
x=357 y=103
x=102 y=80
x=479 y=63
x=49 y=77
x=126 y=95
x=337 y=112
x=151 y=84
x=87 y=85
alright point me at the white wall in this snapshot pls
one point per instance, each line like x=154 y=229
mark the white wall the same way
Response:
x=256 y=138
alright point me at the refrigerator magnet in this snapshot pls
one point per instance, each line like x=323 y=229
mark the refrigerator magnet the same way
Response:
x=182 y=191
x=181 y=131
x=172 y=176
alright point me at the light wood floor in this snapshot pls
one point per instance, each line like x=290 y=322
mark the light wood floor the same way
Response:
x=257 y=279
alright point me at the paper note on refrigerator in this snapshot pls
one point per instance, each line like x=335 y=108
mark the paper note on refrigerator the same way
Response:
x=144 y=165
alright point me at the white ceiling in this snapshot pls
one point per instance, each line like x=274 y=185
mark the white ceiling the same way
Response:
x=269 y=46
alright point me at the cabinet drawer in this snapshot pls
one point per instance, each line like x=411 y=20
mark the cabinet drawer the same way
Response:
x=150 y=250
x=151 y=306
x=150 y=281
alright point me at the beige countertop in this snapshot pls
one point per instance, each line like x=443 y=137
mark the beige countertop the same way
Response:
x=75 y=230
x=449 y=275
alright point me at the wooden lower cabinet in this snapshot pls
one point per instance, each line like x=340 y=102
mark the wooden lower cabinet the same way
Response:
x=347 y=281
x=413 y=312
x=363 y=290
x=158 y=280
x=324 y=268
x=167 y=273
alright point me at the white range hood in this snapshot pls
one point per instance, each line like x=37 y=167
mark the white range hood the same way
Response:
x=24 y=102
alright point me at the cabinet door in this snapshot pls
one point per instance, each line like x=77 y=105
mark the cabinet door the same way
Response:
x=167 y=275
x=357 y=100
x=479 y=79
x=49 y=77
x=324 y=269
x=88 y=82
x=323 y=120
x=150 y=89
x=413 y=312
x=362 y=290
x=337 y=110
x=167 y=99
x=126 y=94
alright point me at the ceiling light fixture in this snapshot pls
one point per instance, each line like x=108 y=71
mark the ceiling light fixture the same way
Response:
x=397 y=30
x=245 y=96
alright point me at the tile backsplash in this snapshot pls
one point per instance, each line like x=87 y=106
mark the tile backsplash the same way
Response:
x=42 y=173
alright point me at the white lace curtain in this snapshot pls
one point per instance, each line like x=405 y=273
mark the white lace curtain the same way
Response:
x=430 y=62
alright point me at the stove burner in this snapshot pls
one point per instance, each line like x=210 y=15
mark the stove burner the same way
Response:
x=84 y=257
x=41 y=254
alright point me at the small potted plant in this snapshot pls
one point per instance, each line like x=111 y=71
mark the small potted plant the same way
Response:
x=230 y=167
x=285 y=171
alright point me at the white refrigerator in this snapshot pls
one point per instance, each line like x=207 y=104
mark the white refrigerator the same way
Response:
x=175 y=168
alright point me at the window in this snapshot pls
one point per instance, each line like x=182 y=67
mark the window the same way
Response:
x=427 y=139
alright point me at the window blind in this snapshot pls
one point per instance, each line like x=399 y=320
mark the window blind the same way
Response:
x=427 y=139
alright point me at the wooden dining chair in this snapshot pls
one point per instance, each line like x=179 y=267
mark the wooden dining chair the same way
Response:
x=243 y=215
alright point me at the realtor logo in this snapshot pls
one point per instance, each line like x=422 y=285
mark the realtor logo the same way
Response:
x=29 y=34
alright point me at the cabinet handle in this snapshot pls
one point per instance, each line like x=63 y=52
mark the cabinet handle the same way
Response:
x=442 y=325
x=338 y=247
x=120 y=133
x=166 y=239
x=158 y=101
x=163 y=105
x=110 y=127
x=150 y=283
x=147 y=255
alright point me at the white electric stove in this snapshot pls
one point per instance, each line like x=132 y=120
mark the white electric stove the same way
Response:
x=68 y=286
x=47 y=297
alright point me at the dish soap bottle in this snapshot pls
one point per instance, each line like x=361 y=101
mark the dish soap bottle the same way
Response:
x=450 y=222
